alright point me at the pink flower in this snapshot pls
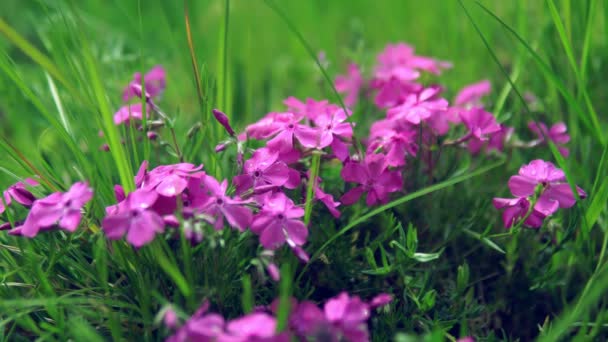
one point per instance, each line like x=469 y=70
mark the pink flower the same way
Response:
x=262 y=169
x=350 y=84
x=480 y=123
x=334 y=130
x=343 y=318
x=541 y=182
x=557 y=134
x=62 y=209
x=470 y=96
x=516 y=209
x=291 y=129
x=278 y=222
x=167 y=180
x=398 y=61
x=495 y=142
x=555 y=191
x=397 y=141
x=201 y=327
x=419 y=107
x=128 y=112
x=211 y=199
x=255 y=327
x=393 y=93
x=154 y=80
x=134 y=217
x=19 y=193
x=374 y=178
x=309 y=109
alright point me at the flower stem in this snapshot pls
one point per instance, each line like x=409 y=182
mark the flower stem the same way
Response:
x=312 y=182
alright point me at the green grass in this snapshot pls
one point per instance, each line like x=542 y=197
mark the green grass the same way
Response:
x=440 y=248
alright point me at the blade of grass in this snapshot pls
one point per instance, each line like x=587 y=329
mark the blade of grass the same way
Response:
x=590 y=120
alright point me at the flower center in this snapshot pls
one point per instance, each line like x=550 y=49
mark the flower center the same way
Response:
x=290 y=126
x=281 y=217
x=257 y=174
x=219 y=201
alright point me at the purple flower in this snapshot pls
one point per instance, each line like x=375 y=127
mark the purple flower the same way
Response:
x=419 y=107
x=278 y=222
x=471 y=95
x=62 y=209
x=480 y=123
x=223 y=120
x=343 y=318
x=557 y=134
x=350 y=84
x=516 y=209
x=19 y=193
x=495 y=142
x=397 y=141
x=135 y=217
x=255 y=327
x=398 y=61
x=555 y=191
x=211 y=199
x=262 y=169
x=309 y=109
x=374 y=178
x=128 y=112
x=393 y=93
x=541 y=182
x=291 y=129
x=333 y=131
x=167 y=180
x=154 y=80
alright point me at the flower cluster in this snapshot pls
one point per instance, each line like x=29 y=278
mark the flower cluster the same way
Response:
x=539 y=189
x=342 y=318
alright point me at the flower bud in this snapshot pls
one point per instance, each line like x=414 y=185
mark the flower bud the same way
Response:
x=223 y=120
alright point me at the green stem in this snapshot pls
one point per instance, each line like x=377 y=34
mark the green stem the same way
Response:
x=312 y=182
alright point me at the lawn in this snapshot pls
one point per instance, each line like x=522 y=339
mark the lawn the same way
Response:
x=303 y=170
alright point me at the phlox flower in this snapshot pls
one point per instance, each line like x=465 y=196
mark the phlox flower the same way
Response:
x=278 y=222
x=495 y=142
x=61 y=209
x=397 y=141
x=264 y=169
x=343 y=318
x=419 y=107
x=310 y=108
x=373 y=177
x=350 y=84
x=209 y=197
x=555 y=191
x=557 y=134
x=130 y=112
x=134 y=217
x=291 y=129
x=19 y=193
x=333 y=130
x=393 y=93
x=167 y=180
x=470 y=96
x=398 y=61
x=155 y=81
x=481 y=124
x=541 y=183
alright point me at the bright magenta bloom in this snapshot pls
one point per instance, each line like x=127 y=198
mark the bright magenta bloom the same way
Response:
x=398 y=61
x=419 y=107
x=374 y=178
x=263 y=169
x=397 y=141
x=557 y=134
x=278 y=222
x=470 y=96
x=291 y=129
x=542 y=182
x=211 y=199
x=350 y=84
x=310 y=108
x=61 y=209
x=155 y=81
x=19 y=193
x=129 y=112
x=134 y=217
x=167 y=180
x=480 y=123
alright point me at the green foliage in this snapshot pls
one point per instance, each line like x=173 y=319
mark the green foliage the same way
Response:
x=439 y=248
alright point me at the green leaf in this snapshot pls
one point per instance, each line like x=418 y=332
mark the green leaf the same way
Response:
x=426 y=257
